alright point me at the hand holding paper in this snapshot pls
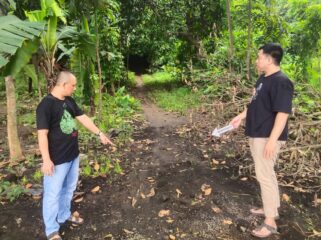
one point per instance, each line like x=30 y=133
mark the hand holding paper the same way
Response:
x=217 y=132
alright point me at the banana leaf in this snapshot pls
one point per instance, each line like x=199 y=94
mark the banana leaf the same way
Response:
x=13 y=33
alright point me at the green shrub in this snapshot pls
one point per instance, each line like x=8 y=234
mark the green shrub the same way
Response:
x=10 y=191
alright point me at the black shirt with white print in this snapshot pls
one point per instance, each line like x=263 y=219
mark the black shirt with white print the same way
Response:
x=273 y=94
x=58 y=116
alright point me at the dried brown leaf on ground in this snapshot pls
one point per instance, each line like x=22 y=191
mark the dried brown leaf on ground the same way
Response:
x=163 y=213
x=151 y=193
x=95 y=189
x=172 y=237
x=96 y=166
x=151 y=179
x=178 y=192
x=215 y=162
x=227 y=222
x=127 y=231
x=285 y=197
x=206 y=189
x=76 y=214
x=78 y=200
x=109 y=235
x=169 y=220
x=216 y=209
x=134 y=201
x=142 y=195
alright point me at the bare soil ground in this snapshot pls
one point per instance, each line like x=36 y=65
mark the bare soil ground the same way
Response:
x=160 y=194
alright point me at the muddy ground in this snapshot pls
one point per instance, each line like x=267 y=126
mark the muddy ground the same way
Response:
x=164 y=170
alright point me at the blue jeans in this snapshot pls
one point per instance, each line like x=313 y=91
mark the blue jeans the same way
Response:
x=57 y=195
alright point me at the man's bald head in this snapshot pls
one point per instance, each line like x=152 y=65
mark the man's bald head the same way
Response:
x=65 y=85
x=65 y=77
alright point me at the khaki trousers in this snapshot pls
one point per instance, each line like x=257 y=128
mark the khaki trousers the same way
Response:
x=265 y=174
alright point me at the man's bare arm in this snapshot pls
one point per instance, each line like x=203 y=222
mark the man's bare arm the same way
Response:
x=278 y=127
x=89 y=124
x=47 y=164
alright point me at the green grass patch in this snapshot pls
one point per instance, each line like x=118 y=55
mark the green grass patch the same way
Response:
x=160 y=80
x=131 y=80
x=177 y=100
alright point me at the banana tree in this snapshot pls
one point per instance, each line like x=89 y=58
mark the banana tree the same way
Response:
x=50 y=13
x=18 y=41
x=67 y=39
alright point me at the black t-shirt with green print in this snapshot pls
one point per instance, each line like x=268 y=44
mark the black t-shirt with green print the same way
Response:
x=58 y=116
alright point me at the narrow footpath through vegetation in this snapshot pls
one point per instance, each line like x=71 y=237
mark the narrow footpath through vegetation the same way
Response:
x=168 y=190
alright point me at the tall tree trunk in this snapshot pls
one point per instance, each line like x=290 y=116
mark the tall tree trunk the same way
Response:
x=249 y=42
x=231 y=37
x=12 y=129
x=99 y=70
x=320 y=71
x=29 y=85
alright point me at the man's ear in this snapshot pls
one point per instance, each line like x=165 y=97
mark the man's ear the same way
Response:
x=270 y=59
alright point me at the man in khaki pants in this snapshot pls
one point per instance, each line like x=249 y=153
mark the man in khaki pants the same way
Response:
x=267 y=127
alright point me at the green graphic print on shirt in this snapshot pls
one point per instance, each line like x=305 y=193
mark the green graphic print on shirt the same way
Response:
x=67 y=123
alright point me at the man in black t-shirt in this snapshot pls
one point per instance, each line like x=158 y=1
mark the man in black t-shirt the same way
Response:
x=267 y=128
x=58 y=143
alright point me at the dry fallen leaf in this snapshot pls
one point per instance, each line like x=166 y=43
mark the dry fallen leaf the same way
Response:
x=95 y=189
x=18 y=220
x=143 y=195
x=96 y=166
x=109 y=235
x=113 y=149
x=151 y=179
x=28 y=185
x=172 y=237
x=178 y=192
x=206 y=189
x=151 y=193
x=216 y=209
x=169 y=220
x=127 y=231
x=285 y=197
x=77 y=200
x=215 y=161
x=227 y=222
x=134 y=201
x=148 y=141
x=163 y=213
x=36 y=197
x=76 y=214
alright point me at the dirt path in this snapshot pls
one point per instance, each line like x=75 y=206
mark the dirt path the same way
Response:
x=165 y=171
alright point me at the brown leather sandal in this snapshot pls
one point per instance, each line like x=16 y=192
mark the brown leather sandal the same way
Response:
x=75 y=220
x=271 y=231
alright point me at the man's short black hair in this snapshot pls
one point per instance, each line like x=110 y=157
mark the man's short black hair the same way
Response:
x=274 y=50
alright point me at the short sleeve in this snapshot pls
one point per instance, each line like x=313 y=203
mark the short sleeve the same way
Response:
x=75 y=108
x=43 y=115
x=281 y=96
